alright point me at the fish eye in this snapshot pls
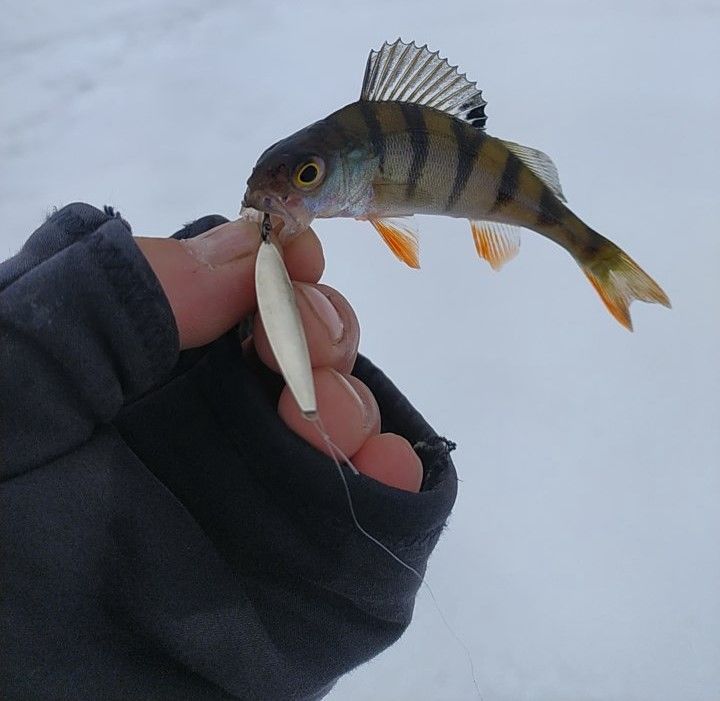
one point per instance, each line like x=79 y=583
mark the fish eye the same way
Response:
x=309 y=173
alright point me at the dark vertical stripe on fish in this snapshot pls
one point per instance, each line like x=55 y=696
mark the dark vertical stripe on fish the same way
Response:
x=550 y=211
x=375 y=133
x=508 y=182
x=340 y=133
x=417 y=131
x=350 y=119
x=467 y=148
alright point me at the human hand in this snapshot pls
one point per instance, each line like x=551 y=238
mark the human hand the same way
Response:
x=209 y=283
x=222 y=524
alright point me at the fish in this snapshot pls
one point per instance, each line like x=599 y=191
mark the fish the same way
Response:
x=415 y=143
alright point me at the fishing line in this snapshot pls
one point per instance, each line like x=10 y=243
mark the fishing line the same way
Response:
x=339 y=458
x=278 y=309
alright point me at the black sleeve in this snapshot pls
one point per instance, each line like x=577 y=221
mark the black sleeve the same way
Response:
x=163 y=534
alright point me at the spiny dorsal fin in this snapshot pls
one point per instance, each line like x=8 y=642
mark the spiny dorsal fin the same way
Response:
x=540 y=164
x=497 y=243
x=401 y=238
x=409 y=73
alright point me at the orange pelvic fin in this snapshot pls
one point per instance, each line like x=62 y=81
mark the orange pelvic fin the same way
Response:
x=401 y=237
x=495 y=242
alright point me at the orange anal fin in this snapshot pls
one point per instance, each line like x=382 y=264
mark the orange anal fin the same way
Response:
x=401 y=239
x=495 y=242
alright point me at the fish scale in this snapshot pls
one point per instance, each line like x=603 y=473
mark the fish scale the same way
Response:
x=415 y=142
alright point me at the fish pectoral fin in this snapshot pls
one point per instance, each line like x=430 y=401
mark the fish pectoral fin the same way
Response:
x=539 y=163
x=408 y=73
x=401 y=237
x=497 y=243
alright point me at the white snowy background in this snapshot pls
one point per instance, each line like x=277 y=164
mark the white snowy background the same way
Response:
x=582 y=561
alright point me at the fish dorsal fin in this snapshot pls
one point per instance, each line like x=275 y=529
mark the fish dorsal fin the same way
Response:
x=409 y=73
x=540 y=164
x=497 y=243
x=401 y=238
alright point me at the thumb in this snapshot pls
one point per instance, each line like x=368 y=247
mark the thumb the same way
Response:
x=209 y=280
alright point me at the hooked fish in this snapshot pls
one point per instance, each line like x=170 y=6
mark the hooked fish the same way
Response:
x=415 y=143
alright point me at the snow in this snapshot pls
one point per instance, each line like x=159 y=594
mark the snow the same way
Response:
x=582 y=561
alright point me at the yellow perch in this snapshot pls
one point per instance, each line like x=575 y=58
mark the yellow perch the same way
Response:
x=415 y=143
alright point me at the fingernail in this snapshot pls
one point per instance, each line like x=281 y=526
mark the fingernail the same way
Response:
x=357 y=399
x=224 y=244
x=324 y=310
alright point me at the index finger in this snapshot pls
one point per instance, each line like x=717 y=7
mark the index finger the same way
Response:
x=209 y=280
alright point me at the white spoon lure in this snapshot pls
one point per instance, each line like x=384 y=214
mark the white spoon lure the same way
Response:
x=281 y=319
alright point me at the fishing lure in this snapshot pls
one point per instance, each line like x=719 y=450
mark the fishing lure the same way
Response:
x=415 y=143
x=280 y=315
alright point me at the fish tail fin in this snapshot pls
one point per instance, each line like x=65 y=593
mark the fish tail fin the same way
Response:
x=619 y=280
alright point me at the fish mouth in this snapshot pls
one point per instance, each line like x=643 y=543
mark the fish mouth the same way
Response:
x=290 y=209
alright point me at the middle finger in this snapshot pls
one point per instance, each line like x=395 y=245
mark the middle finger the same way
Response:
x=331 y=328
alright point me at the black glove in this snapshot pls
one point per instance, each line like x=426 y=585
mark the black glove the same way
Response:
x=164 y=534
